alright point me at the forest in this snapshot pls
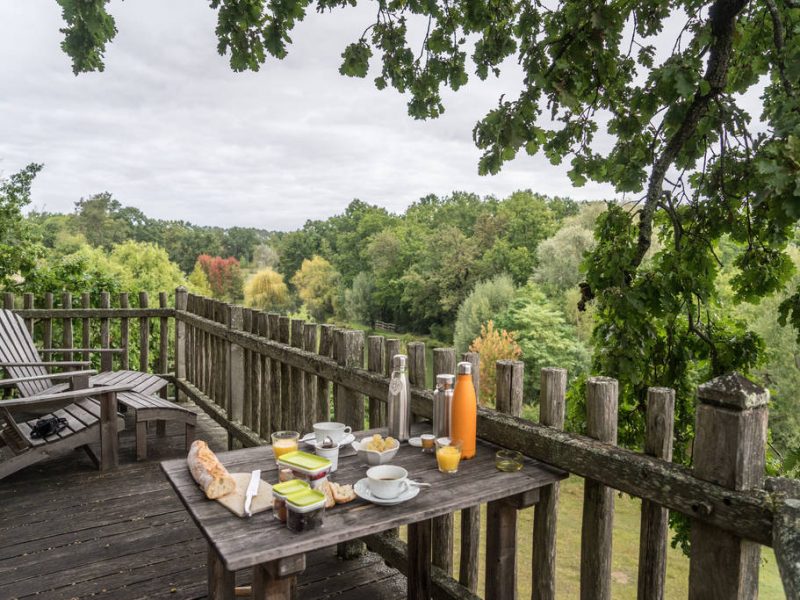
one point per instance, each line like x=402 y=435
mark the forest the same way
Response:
x=503 y=276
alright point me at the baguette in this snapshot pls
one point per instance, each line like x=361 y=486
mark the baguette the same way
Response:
x=208 y=472
x=342 y=494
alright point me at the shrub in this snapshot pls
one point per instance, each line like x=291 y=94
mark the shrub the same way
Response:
x=487 y=300
x=493 y=345
x=266 y=290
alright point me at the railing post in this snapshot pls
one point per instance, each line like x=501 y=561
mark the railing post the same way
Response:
x=273 y=320
x=27 y=304
x=8 y=300
x=470 y=517
x=309 y=398
x=86 y=332
x=508 y=397
x=181 y=297
x=298 y=381
x=375 y=358
x=417 y=372
x=265 y=397
x=444 y=362
x=124 y=331
x=655 y=519
x=349 y=352
x=323 y=412
x=551 y=413
x=235 y=373
x=729 y=450
x=66 y=326
x=287 y=409
x=47 y=326
x=144 y=336
x=163 y=341
x=106 y=358
x=598 y=500
x=391 y=349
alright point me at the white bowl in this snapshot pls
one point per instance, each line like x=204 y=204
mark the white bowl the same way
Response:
x=373 y=457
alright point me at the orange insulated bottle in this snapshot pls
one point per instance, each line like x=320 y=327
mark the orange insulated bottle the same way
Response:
x=464 y=415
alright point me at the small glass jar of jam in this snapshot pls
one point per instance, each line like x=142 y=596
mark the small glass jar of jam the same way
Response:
x=305 y=510
x=279 y=493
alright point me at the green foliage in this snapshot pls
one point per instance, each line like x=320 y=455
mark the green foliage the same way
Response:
x=358 y=304
x=89 y=28
x=545 y=337
x=198 y=282
x=146 y=267
x=266 y=290
x=486 y=301
x=19 y=246
x=493 y=344
x=316 y=282
x=265 y=255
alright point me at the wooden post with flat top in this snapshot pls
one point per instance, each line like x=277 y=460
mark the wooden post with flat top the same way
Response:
x=729 y=450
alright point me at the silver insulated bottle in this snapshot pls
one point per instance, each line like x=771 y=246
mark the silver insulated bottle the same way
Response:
x=443 y=404
x=399 y=401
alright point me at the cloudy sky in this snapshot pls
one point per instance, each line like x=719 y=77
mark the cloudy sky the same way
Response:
x=170 y=129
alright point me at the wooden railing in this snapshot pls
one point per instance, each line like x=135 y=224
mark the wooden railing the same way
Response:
x=256 y=372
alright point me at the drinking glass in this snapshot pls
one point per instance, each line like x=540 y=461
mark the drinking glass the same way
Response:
x=284 y=442
x=448 y=454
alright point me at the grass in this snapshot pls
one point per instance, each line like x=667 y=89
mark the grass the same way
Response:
x=625 y=551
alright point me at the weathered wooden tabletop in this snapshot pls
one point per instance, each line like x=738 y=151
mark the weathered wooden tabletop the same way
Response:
x=243 y=543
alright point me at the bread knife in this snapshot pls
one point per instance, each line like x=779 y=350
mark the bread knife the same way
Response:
x=252 y=490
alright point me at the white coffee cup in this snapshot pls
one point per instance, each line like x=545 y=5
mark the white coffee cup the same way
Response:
x=335 y=431
x=387 y=481
x=332 y=454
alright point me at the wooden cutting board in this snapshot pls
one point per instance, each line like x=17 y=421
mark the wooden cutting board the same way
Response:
x=234 y=501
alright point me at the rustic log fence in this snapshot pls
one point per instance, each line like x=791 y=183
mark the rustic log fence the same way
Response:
x=255 y=373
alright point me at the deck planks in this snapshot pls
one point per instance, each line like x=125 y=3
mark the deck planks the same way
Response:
x=69 y=532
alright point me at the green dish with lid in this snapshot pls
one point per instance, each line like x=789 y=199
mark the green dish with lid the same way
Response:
x=305 y=463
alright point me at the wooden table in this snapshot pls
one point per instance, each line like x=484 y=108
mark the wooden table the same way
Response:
x=277 y=555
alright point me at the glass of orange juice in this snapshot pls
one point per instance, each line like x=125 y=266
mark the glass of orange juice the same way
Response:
x=284 y=442
x=448 y=454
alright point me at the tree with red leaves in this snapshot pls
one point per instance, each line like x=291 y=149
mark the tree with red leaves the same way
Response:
x=224 y=276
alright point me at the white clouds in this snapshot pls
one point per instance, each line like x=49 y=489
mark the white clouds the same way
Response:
x=170 y=129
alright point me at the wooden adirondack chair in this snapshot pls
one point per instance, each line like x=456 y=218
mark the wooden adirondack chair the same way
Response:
x=91 y=416
x=32 y=378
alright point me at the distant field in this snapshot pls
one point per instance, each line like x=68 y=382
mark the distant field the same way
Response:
x=625 y=552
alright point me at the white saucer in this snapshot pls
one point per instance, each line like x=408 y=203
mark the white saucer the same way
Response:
x=415 y=441
x=310 y=439
x=361 y=488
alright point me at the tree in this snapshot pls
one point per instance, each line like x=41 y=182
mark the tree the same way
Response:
x=224 y=276
x=198 y=281
x=146 y=267
x=266 y=290
x=560 y=257
x=265 y=255
x=316 y=282
x=101 y=220
x=546 y=339
x=493 y=345
x=679 y=139
x=358 y=303
x=19 y=248
x=486 y=301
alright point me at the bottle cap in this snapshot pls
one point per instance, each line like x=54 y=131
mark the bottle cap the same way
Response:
x=399 y=362
x=445 y=381
x=465 y=368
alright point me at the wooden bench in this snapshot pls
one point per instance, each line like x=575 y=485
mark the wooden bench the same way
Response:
x=147 y=408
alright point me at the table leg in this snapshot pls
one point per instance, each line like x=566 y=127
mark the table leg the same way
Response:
x=221 y=581
x=501 y=540
x=276 y=580
x=419 y=560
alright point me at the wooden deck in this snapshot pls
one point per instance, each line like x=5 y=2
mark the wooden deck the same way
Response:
x=69 y=531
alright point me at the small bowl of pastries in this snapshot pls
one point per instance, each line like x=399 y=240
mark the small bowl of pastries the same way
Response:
x=376 y=450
